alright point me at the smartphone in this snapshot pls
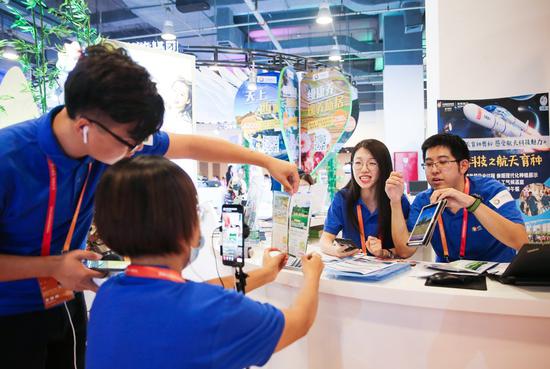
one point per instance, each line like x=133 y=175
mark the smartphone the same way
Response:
x=232 y=247
x=106 y=265
x=346 y=242
x=423 y=230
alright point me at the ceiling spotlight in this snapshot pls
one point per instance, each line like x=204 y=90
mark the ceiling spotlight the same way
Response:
x=9 y=52
x=168 y=33
x=334 y=54
x=252 y=77
x=324 y=16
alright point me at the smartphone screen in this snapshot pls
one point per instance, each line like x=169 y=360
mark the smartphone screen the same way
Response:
x=107 y=265
x=232 y=250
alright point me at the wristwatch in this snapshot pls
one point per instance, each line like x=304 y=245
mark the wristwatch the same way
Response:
x=475 y=204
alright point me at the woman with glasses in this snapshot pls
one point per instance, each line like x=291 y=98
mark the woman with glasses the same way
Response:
x=361 y=210
x=481 y=220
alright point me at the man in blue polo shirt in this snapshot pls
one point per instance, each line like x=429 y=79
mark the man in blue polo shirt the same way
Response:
x=481 y=220
x=50 y=167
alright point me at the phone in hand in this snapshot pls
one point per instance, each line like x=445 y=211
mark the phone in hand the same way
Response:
x=350 y=245
x=232 y=247
x=106 y=266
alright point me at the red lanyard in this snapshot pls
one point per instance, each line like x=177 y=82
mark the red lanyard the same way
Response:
x=52 y=293
x=464 y=228
x=362 y=230
x=142 y=271
x=48 y=227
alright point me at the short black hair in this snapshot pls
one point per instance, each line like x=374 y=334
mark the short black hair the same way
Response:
x=105 y=78
x=457 y=146
x=146 y=205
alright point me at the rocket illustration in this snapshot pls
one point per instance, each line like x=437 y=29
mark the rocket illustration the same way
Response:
x=499 y=120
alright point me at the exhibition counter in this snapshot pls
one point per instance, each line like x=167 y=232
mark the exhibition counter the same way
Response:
x=400 y=323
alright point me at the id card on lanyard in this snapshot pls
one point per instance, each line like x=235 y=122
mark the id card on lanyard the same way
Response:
x=463 y=232
x=143 y=271
x=52 y=293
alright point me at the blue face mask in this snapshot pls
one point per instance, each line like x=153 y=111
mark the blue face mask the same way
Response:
x=195 y=250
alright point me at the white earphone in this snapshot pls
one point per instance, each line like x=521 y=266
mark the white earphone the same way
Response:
x=85 y=134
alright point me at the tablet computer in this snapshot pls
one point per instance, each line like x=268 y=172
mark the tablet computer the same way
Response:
x=423 y=230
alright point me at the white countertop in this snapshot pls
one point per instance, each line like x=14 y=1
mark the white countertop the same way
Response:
x=407 y=288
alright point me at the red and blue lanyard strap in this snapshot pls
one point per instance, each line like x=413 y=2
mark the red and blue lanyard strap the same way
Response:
x=362 y=230
x=464 y=228
x=52 y=293
x=143 y=271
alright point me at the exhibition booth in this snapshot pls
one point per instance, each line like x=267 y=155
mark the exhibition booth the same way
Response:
x=372 y=312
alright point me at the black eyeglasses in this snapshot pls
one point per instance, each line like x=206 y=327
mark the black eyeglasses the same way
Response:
x=441 y=164
x=132 y=147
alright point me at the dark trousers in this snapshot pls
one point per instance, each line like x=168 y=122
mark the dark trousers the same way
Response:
x=44 y=339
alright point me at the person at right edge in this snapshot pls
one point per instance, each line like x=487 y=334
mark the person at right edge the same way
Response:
x=481 y=220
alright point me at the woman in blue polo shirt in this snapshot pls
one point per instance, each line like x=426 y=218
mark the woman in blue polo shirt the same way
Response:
x=361 y=210
x=149 y=316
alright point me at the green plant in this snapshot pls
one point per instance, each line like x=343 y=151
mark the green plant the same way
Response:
x=4 y=98
x=73 y=21
x=331 y=175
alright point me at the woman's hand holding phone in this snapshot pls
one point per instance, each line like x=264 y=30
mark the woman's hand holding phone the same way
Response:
x=344 y=250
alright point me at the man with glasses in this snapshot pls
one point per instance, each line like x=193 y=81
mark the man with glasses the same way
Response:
x=49 y=169
x=481 y=220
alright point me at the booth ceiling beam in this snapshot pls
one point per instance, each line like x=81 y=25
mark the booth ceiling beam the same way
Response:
x=243 y=58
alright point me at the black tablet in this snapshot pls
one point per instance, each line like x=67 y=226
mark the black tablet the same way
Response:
x=423 y=230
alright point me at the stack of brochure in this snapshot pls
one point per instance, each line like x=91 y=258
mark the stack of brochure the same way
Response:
x=362 y=268
x=464 y=266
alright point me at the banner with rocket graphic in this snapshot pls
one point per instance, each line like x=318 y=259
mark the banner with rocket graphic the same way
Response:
x=508 y=140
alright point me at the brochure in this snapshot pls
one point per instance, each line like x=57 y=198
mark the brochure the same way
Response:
x=363 y=268
x=461 y=266
x=279 y=233
x=358 y=264
x=291 y=218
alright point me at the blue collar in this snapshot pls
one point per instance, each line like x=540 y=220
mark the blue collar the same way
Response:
x=50 y=146
x=364 y=206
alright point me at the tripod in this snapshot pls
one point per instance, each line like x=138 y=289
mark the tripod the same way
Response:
x=241 y=276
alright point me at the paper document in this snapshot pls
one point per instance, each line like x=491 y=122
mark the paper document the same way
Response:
x=357 y=264
x=461 y=266
x=291 y=218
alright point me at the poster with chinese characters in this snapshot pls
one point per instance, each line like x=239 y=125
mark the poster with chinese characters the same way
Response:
x=325 y=124
x=508 y=140
x=257 y=114
x=288 y=112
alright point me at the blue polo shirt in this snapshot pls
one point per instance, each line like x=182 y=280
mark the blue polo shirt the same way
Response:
x=480 y=244
x=142 y=323
x=24 y=194
x=337 y=220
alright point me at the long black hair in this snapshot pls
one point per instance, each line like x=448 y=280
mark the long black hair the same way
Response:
x=381 y=154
